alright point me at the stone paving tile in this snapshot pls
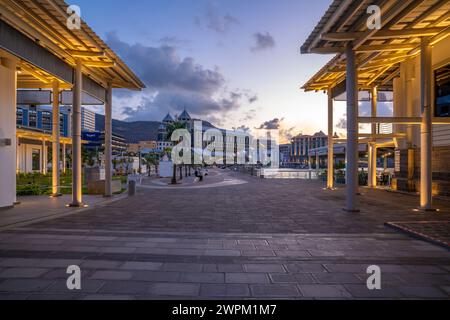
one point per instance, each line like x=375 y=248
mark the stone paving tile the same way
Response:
x=264 y=268
x=112 y=275
x=87 y=287
x=100 y=264
x=182 y=267
x=274 y=290
x=423 y=292
x=324 y=291
x=305 y=267
x=125 y=287
x=229 y=268
x=224 y=290
x=202 y=277
x=19 y=262
x=19 y=273
x=22 y=285
x=156 y=276
x=361 y=291
x=137 y=265
x=336 y=278
x=246 y=278
x=301 y=278
x=108 y=297
x=174 y=289
x=426 y=269
x=258 y=253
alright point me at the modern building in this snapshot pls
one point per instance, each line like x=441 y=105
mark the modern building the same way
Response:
x=407 y=55
x=38 y=52
x=87 y=120
x=285 y=153
x=95 y=140
x=302 y=144
x=34 y=138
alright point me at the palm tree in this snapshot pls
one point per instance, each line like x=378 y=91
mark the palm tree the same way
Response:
x=171 y=128
x=152 y=159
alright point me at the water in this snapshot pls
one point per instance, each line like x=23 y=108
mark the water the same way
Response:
x=304 y=174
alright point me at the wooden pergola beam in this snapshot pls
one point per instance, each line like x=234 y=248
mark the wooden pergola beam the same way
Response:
x=382 y=34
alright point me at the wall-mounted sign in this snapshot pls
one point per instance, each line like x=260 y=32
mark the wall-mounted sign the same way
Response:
x=34 y=97
x=67 y=99
x=397 y=161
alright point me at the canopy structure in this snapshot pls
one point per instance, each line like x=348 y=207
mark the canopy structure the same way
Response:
x=393 y=54
x=41 y=49
x=378 y=52
x=45 y=22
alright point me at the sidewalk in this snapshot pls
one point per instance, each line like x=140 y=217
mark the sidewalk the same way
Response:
x=39 y=208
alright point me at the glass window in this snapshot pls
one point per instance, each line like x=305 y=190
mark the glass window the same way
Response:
x=19 y=117
x=36 y=160
x=442 y=85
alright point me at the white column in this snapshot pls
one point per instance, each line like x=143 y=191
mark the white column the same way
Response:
x=8 y=102
x=352 y=130
x=426 y=148
x=330 y=179
x=44 y=161
x=372 y=179
x=108 y=142
x=77 y=196
x=317 y=163
x=17 y=155
x=55 y=142
x=63 y=156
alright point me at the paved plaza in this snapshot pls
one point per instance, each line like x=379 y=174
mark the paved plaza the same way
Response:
x=239 y=237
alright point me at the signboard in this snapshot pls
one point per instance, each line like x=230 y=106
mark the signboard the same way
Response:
x=34 y=97
x=397 y=161
x=67 y=99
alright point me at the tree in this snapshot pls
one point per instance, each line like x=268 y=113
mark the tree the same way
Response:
x=152 y=159
x=171 y=128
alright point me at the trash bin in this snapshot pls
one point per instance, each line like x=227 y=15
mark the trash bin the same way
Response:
x=131 y=188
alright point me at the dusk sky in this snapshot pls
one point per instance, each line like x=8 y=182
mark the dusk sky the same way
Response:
x=233 y=62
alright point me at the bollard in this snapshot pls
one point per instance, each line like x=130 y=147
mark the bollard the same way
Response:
x=131 y=188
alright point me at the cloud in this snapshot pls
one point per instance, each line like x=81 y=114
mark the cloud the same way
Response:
x=384 y=109
x=213 y=20
x=172 y=84
x=252 y=99
x=285 y=134
x=273 y=124
x=262 y=42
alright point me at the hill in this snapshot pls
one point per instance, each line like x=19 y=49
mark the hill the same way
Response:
x=133 y=132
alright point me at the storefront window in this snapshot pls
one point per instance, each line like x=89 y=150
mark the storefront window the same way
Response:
x=442 y=85
x=36 y=160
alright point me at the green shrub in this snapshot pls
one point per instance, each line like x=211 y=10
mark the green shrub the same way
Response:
x=28 y=190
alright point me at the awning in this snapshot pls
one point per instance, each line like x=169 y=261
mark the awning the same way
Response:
x=36 y=32
x=379 y=51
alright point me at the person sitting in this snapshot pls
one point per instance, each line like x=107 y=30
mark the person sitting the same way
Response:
x=198 y=174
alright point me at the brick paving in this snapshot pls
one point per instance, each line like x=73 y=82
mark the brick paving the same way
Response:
x=268 y=239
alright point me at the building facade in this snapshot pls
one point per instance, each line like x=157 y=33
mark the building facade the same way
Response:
x=87 y=120
x=302 y=144
x=34 y=138
x=95 y=141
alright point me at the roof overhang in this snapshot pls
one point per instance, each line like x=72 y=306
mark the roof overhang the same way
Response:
x=380 y=51
x=36 y=32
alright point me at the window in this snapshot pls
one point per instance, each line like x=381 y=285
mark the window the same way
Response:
x=32 y=119
x=36 y=160
x=442 y=85
x=19 y=117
